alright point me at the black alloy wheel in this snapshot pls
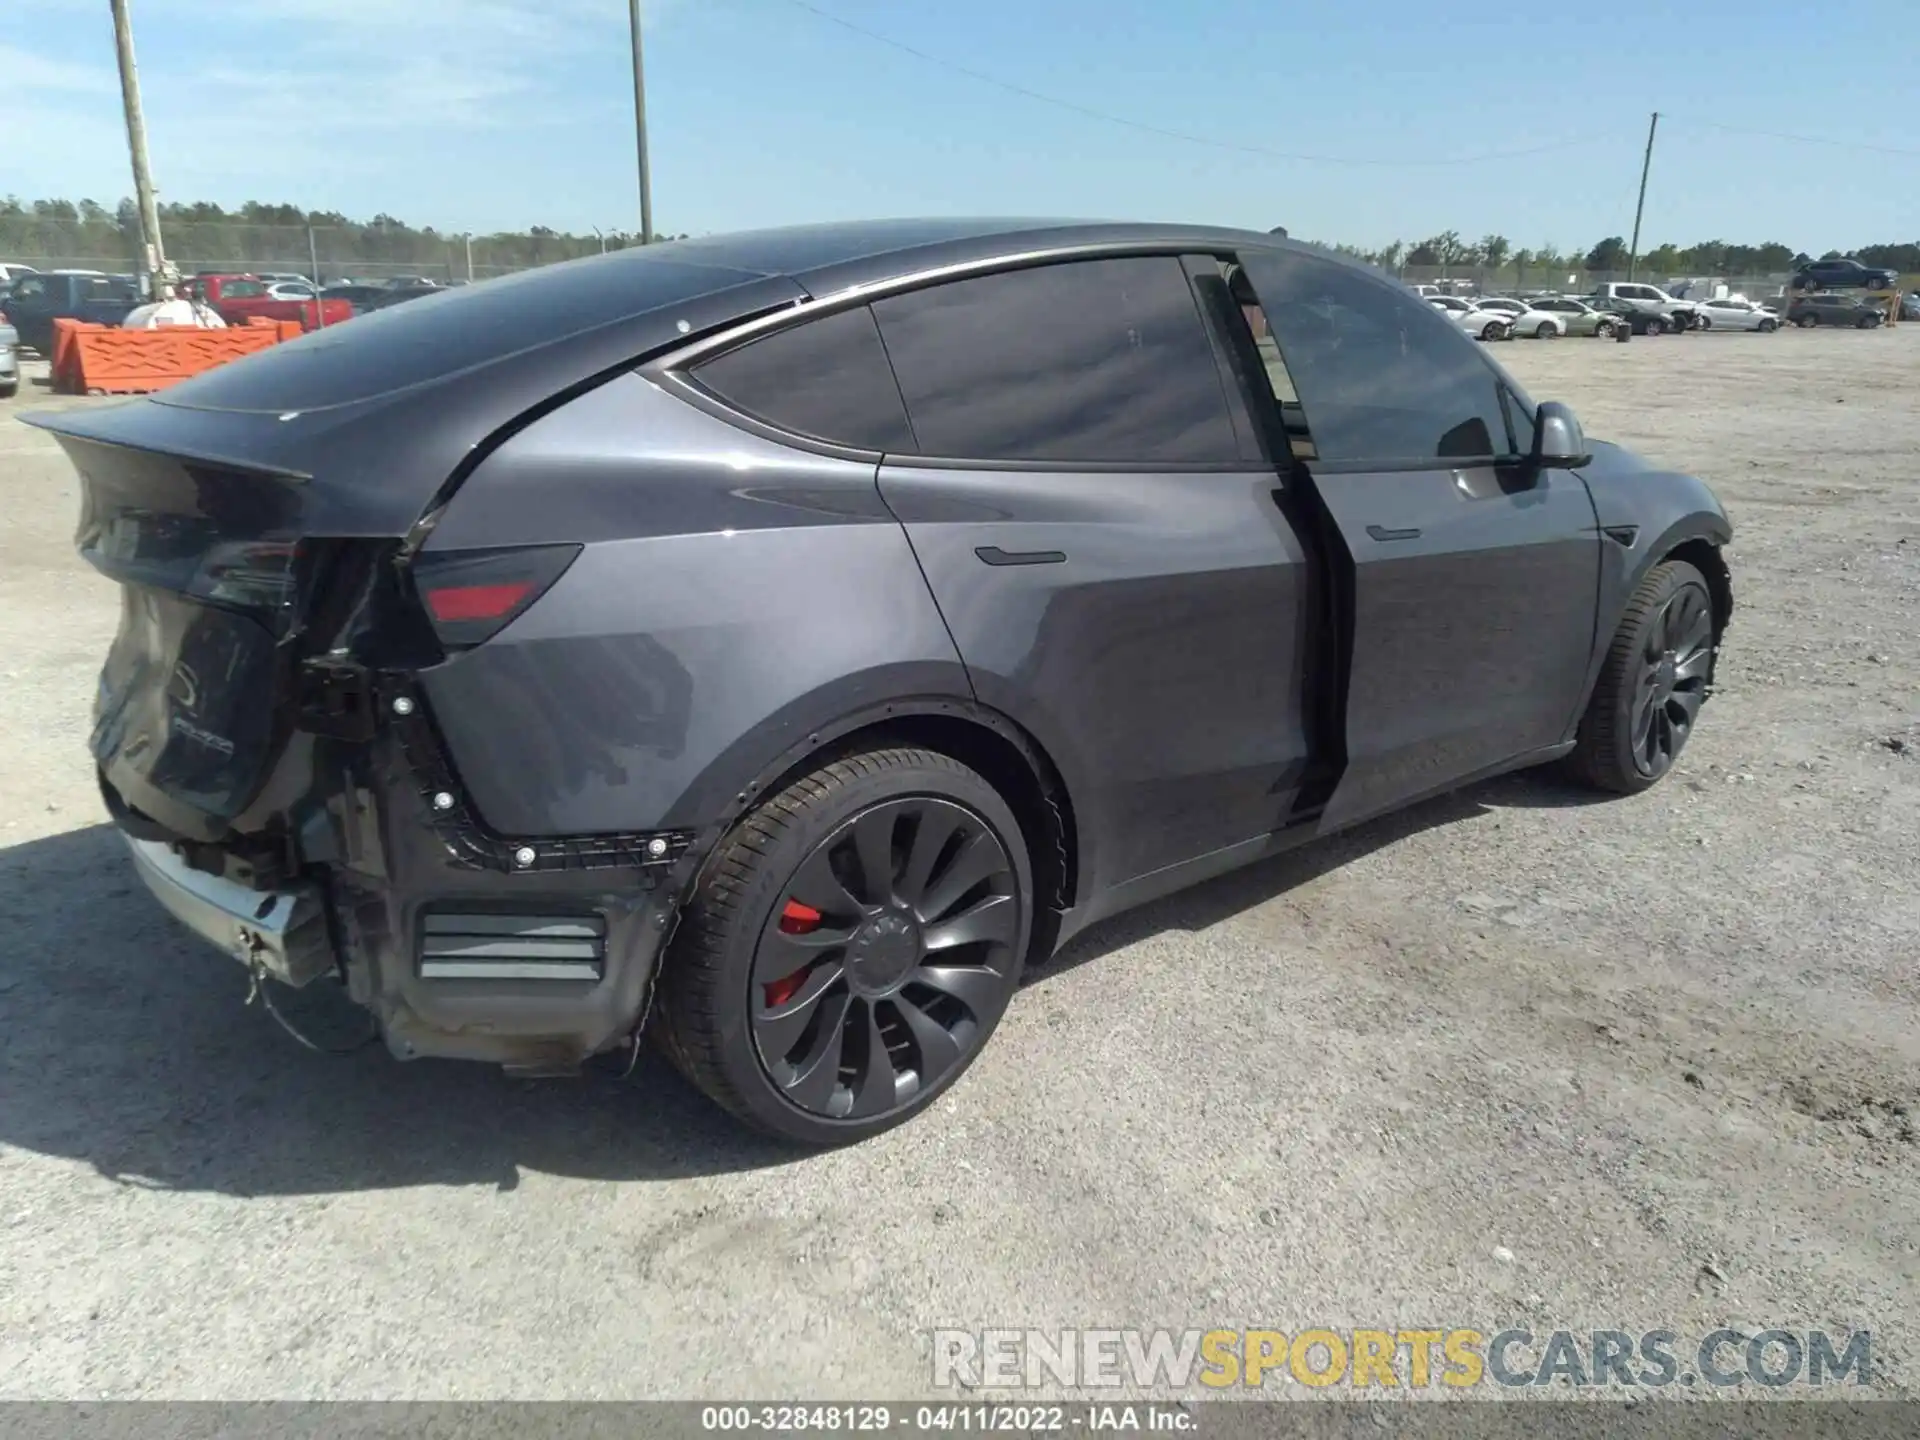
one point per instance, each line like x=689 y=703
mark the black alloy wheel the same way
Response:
x=888 y=956
x=1703 y=322
x=1652 y=684
x=851 y=946
x=1674 y=662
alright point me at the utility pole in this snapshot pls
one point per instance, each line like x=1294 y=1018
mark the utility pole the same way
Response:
x=1633 y=249
x=154 y=258
x=639 y=124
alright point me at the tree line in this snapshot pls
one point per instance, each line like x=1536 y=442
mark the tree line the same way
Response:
x=204 y=233
x=201 y=233
x=1448 y=250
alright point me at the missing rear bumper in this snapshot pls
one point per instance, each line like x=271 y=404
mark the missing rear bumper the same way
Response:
x=281 y=932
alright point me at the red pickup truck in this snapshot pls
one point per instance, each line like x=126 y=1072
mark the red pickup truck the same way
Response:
x=237 y=299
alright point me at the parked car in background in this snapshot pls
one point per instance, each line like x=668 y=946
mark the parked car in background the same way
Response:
x=37 y=300
x=9 y=358
x=1649 y=301
x=1525 y=318
x=237 y=299
x=1808 y=311
x=291 y=290
x=1736 y=312
x=1022 y=614
x=1640 y=320
x=363 y=297
x=1909 y=305
x=1577 y=317
x=1844 y=274
x=284 y=277
x=1481 y=324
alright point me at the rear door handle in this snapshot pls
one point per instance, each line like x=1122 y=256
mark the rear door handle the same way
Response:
x=994 y=555
x=1381 y=532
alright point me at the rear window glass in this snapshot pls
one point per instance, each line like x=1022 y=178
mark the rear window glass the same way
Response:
x=828 y=379
x=1092 y=361
x=445 y=332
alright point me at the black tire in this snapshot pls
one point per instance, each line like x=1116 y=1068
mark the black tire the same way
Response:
x=1643 y=681
x=1491 y=332
x=1767 y=327
x=1656 y=325
x=9 y=390
x=1703 y=322
x=1866 y=322
x=716 y=1009
x=1808 y=320
x=1604 y=330
x=1546 y=331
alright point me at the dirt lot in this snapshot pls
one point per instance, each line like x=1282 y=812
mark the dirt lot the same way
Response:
x=1516 y=1057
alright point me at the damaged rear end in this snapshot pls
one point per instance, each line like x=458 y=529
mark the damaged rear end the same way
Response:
x=261 y=731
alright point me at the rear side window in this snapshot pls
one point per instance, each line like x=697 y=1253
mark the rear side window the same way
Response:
x=827 y=379
x=1381 y=376
x=1095 y=361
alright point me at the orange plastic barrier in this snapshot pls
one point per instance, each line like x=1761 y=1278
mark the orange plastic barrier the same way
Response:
x=66 y=378
x=108 y=361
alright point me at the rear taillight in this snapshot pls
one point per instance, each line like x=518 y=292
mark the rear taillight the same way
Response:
x=471 y=595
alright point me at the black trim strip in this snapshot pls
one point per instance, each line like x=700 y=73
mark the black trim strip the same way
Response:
x=994 y=555
x=476 y=845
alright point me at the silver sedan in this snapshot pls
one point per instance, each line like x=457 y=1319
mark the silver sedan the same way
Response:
x=1481 y=324
x=1736 y=313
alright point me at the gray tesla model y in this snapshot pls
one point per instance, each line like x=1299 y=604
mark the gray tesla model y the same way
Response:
x=777 y=640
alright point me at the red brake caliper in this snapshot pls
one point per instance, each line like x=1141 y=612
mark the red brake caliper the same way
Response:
x=795 y=919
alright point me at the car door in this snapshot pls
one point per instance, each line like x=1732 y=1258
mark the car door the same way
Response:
x=1474 y=574
x=1107 y=541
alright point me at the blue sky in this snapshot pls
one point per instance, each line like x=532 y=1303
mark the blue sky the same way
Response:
x=491 y=114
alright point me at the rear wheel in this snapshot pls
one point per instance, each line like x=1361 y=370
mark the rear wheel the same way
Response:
x=1656 y=325
x=1652 y=684
x=1703 y=322
x=851 y=948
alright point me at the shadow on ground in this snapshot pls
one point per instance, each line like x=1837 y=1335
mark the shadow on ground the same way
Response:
x=124 y=1044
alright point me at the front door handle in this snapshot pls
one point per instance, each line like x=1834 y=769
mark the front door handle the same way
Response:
x=1381 y=532
x=994 y=555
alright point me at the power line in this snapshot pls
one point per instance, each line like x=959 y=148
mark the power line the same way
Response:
x=1781 y=135
x=1109 y=118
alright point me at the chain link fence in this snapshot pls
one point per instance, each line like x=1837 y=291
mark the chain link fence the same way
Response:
x=325 y=253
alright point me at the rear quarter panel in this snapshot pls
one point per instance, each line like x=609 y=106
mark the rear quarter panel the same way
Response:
x=735 y=598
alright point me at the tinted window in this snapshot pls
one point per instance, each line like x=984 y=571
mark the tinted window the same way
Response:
x=1096 y=361
x=1381 y=377
x=827 y=378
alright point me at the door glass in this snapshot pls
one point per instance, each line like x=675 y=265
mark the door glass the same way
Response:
x=1100 y=361
x=827 y=378
x=1381 y=376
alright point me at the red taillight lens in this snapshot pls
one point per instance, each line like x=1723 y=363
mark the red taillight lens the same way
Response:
x=477 y=602
x=472 y=595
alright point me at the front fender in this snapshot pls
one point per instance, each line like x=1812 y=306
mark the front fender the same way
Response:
x=1644 y=515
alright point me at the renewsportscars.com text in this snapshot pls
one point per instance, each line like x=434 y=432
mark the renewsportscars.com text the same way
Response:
x=1416 y=1359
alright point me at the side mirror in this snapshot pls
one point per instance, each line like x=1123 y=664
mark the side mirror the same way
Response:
x=1558 y=441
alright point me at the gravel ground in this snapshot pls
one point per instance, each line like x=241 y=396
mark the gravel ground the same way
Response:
x=1514 y=1057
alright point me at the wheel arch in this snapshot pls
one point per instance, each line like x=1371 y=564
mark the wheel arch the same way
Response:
x=998 y=748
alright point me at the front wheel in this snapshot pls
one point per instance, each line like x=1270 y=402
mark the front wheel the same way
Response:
x=1546 y=331
x=1767 y=327
x=1808 y=321
x=1866 y=322
x=1491 y=332
x=852 y=946
x=1604 y=330
x=1652 y=684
